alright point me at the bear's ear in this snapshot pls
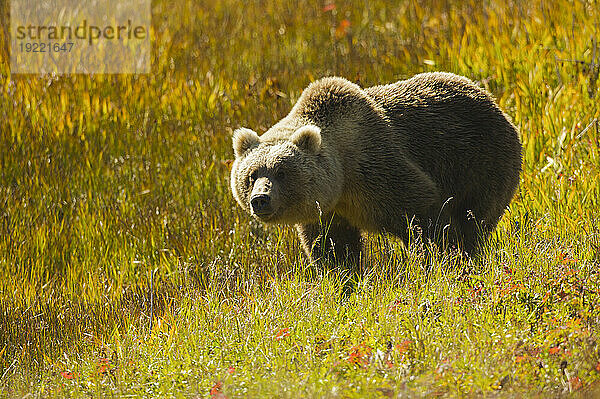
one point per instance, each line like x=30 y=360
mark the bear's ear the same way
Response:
x=308 y=138
x=243 y=140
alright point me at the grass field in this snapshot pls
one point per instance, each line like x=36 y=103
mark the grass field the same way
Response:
x=105 y=180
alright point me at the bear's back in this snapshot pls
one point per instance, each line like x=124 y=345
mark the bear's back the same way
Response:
x=454 y=131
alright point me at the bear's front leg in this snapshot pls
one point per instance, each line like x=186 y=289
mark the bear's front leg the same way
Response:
x=333 y=240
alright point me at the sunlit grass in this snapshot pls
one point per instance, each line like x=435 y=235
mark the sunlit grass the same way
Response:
x=105 y=179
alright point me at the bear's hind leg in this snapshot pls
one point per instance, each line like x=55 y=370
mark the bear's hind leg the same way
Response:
x=471 y=233
x=333 y=240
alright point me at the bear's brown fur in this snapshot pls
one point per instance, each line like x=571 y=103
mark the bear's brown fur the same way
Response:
x=433 y=151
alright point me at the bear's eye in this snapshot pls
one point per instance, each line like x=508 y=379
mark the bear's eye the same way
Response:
x=253 y=177
x=280 y=175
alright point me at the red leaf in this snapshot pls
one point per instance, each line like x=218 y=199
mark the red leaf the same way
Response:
x=359 y=355
x=282 y=333
x=103 y=365
x=215 y=391
x=565 y=259
x=329 y=7
x=342 y=28
x=554 y=350
x=576 y=383
x=397 y=304
x=403 y=345
x=67 y=375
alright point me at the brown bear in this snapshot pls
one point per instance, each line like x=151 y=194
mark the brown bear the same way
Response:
x=432 y=154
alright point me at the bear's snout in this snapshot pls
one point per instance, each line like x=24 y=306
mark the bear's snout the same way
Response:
x=261 y=204
x=260 y=199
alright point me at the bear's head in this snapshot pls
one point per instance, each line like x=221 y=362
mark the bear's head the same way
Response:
x=276 y=177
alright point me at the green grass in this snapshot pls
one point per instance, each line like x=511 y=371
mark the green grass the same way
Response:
x=105 y=179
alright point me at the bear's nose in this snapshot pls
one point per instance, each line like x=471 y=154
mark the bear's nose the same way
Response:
x=261 y=204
